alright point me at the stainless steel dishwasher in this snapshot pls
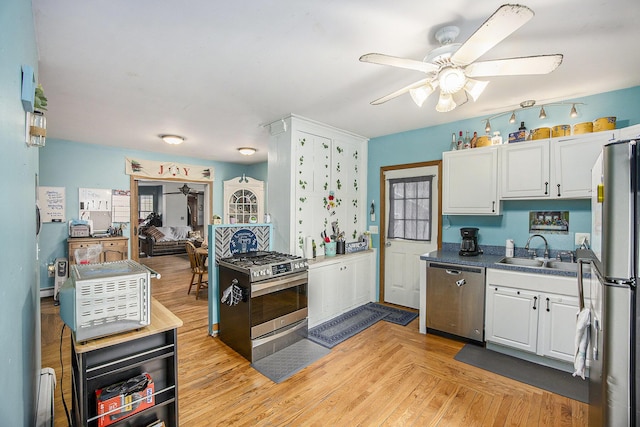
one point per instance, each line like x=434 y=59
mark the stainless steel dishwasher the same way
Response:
x=455 y=300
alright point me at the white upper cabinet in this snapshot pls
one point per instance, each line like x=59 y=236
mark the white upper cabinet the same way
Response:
x=470 y=182
x=559 y=168
x=317 y=175
x=525 y=170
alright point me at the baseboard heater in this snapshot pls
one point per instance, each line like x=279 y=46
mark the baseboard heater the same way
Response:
x=46 y=389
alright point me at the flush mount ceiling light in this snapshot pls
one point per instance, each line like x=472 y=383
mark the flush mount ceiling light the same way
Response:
x=246 y=151
x=172 y=139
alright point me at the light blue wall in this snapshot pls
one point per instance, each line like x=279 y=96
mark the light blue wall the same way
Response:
x=19 y=297
x=75 y=165
x=427 y=144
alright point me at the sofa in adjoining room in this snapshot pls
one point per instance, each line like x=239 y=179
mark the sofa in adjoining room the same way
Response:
x=170 y=240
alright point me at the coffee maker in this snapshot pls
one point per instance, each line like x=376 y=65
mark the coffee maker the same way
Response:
x=469 y=245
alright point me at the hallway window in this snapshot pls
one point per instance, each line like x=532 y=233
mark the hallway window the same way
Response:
x=145 y=204
x=410 y=208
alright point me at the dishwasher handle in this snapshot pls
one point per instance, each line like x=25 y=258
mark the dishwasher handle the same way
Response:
x=453 y=272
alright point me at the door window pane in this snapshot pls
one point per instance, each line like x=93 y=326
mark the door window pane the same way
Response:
x=410 y=208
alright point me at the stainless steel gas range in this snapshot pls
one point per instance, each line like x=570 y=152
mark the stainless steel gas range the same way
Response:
x=263 y=302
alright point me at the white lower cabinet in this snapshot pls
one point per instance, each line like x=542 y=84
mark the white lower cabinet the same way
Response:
x=339 y=284
x=523 y=314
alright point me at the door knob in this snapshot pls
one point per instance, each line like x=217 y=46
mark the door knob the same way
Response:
x=387 y=244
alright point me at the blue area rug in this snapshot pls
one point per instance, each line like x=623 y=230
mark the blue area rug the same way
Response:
x=340 y=328
x=394 y=315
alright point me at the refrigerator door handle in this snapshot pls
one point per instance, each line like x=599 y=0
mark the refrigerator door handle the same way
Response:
x=594 y=343
x=581 y=262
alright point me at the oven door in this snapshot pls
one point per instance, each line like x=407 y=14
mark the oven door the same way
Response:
x=278 y=303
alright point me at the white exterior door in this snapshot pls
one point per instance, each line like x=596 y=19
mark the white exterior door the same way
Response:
x=402 y=255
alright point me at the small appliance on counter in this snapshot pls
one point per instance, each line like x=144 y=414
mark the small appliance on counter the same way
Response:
x=469 y=244
x=103 y=299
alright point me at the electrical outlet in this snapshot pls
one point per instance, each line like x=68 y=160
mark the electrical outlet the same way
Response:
x=580 y=238
x=373 y=229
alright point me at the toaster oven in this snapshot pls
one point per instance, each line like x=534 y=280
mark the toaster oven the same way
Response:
x=107 y=298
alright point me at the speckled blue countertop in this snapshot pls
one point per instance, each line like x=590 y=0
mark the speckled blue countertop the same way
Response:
x=489 y=259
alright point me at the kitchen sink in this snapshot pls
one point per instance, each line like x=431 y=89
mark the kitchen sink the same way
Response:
x=524 y=262
x=540 y=263
x=562 y=265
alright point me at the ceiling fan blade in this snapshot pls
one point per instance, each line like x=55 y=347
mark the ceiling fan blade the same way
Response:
x=500 y=25
x=542 y=64
x=400 y=91
x=410 y=64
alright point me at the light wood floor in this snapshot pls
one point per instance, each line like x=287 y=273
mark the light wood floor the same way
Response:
x=387 y=375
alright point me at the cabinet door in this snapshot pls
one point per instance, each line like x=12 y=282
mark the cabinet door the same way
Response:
x=364 y=267
x=312 y=181
x=512 y=317
x=572 y=163
x=114 y=250
x=346 y=182
x=525 y=170
x=470 y=182
x=557 y=329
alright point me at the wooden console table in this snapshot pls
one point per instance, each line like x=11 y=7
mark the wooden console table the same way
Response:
x=101 y=362
x=113 y=248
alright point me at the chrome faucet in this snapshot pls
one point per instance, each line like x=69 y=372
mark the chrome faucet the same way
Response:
x=532 y=252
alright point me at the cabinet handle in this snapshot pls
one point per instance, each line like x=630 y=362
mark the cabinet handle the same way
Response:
x=493 y=206
x=535 y=301
x=548 y=304
x=546 y=188
x=558 y=190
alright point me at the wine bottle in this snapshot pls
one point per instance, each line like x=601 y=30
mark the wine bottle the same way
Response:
x=460 y=142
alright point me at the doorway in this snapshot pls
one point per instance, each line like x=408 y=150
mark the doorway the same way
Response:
x=197 y=205
x=410 y=225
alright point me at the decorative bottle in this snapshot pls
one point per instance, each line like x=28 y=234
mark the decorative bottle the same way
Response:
x=454 y=142
x=460 y=142
x=467 y=141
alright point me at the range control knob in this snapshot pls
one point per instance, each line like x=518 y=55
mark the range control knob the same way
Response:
x=262 y=273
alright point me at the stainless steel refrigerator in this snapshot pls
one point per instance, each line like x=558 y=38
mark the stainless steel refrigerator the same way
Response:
x=615 y=325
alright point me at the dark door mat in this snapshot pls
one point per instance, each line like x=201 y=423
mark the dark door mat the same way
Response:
x=394 y=315
x=553 y=380
x=342 y=327
x=290 y=360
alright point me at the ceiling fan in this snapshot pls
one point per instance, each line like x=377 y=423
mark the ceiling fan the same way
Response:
x=186 y=190
x=452 y=68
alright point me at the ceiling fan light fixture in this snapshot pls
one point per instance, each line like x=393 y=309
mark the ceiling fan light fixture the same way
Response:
x=445 y=103
x=172 y=139
x=574 y=112
x=451 y=80
x=246 y=151
x=420 y=94
x=512 y=119
x=543 y=114
x=475 y=88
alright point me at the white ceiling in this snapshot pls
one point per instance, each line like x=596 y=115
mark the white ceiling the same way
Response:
x=121 y=72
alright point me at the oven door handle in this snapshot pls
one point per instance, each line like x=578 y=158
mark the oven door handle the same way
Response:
x=286 y=282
